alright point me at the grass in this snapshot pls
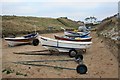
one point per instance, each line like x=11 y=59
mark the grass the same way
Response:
x=107 y=25
x=68 y=23
x=7 y=71
x=23 y=25
x=18 y=73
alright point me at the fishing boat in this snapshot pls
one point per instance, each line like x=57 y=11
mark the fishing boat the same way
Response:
x=64 y=46
x=30 y=38
x=68 y=38
x=76 y=34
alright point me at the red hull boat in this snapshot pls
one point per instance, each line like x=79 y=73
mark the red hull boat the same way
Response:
x=67 y=38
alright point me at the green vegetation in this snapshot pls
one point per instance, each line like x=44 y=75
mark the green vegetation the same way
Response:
x=91 y=19
x=68 y=22
x=107 y=25
x=22 y=25
x=18 y=73
x=7 y=71
x=108 y=30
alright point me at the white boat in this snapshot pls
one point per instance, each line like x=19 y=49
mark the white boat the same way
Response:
x=63 y=46
x=73 y=38
x=30 y=38
x=77 y=34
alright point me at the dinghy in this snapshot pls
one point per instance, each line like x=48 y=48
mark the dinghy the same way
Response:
x=64 y=46
x=30 y=38
x=76 y=34
x=68 y=38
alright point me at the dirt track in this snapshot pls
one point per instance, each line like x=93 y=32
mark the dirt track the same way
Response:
x=99 y=60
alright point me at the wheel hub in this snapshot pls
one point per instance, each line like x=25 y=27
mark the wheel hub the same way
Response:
x=73 y=53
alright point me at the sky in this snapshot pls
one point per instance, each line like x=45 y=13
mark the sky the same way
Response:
x=73 y=9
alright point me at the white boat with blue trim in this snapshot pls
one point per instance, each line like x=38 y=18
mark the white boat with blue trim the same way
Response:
x=62 y=45
x=30 y=38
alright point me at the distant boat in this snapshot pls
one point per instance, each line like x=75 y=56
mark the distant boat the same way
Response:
x=76 y=34
x=67 y=38
x=30 y=38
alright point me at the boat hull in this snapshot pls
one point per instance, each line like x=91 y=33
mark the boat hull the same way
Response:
x=76 y=34
x=75 y=39
x=20 y=40
x=13 y=42
x=63 y=46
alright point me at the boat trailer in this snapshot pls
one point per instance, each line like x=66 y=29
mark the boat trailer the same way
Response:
x=81 y=68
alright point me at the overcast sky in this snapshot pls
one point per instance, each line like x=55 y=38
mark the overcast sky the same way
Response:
x=73 y=9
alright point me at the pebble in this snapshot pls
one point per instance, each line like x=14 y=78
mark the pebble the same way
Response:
x=101 y=41
x=29 y=67
x=111 y=59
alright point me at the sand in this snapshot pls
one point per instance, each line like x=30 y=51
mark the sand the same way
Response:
x=100 y=61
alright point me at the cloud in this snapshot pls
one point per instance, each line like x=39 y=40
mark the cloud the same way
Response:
x=27 y=10
x=10 y=0
x=18 y=8
x=73 y=10
x=59 y=0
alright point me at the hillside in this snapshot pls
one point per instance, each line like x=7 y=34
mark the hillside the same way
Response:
x=108 y=30
x=22 y=25
x=68 y=22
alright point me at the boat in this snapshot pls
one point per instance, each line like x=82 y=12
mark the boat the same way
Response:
x=30 y=38
x=76 y=34
x=67 y=38
x=64 y=46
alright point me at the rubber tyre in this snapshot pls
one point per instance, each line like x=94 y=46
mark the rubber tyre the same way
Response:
x=81 y=69
x=35 y=42
x=79 y=56
x=72 y=53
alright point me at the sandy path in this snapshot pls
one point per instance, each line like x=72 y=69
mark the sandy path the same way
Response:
x=99 y=60
x=0 y=58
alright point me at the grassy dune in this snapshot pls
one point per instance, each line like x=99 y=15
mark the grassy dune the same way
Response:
x=68 y=22
x=108 y=24
x=23 y=25
x=109 y=28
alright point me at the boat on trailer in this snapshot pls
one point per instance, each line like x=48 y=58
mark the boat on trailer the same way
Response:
x=64 y=46
x=72 y=38
x=30 y=38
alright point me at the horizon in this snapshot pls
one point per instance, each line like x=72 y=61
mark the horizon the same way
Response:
x=75 y=10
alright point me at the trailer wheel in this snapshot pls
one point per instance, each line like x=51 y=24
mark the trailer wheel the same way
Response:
x=82 y=69
x=78 y=58
x=35 y=42
x=84 y=50
x=72 y=53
